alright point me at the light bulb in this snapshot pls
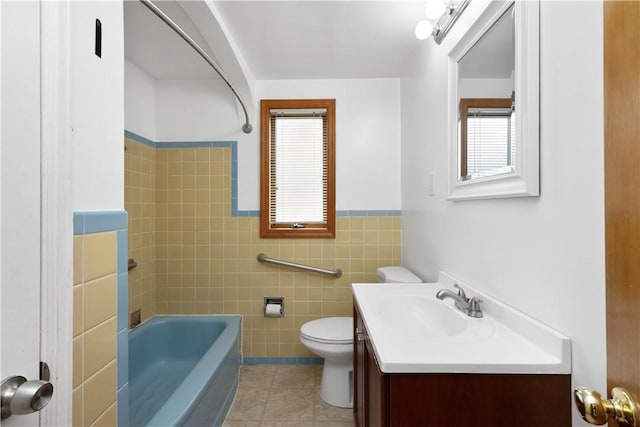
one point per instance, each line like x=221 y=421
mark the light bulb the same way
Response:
x=435 y=9
x=424 y=29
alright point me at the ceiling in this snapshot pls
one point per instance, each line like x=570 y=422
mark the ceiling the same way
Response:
x=157 y=49
x=493 y=56
x=295 y=39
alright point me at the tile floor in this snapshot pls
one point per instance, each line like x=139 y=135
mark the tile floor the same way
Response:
x=283 y=396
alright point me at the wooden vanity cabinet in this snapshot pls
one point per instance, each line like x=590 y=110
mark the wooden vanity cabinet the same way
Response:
x=454 y=400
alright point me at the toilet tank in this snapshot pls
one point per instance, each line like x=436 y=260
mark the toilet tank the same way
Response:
x=397 y=275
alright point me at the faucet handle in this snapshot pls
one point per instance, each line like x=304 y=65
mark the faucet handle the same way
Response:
x=474 y=307
x=461 y=293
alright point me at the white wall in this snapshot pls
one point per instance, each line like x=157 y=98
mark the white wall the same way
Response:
x=139 y=101
x=367 y=130
x=97 y=116
x=196 y=110
x=543 y=255
x=485 y=88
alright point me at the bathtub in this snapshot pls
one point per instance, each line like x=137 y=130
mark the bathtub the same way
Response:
x=183 y=370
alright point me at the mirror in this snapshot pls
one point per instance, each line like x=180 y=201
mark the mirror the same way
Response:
x=493 y=105
x=486 y=117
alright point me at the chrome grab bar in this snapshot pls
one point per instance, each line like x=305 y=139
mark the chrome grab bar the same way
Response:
x=262 y=257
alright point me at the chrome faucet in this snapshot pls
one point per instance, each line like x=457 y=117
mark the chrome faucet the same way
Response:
x=469 y=306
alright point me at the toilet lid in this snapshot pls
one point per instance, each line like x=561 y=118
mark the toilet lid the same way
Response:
x=337 y=330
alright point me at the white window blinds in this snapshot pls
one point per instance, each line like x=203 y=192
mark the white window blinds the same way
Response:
x=299 y=166
x=490 y=141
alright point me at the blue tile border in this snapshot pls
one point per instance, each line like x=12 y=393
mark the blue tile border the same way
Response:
x=248 y=213
x=253 y=213
x=123 y=248
x=139 y=138
x=123 y=358
x=197 y=144
x=123 y=409
x=234 y=180
x=122 y=318
x=235 y=212
x=88 y=222
x=282 y=361
x=179 y=144
x=369 y=213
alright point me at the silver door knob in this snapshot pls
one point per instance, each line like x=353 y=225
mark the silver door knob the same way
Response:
x=20 y=397
x=594 y=409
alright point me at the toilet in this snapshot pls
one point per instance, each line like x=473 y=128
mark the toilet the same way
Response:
x=332 y=339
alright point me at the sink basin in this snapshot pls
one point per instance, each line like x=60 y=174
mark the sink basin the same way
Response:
x=411 y=331
x=423 y=315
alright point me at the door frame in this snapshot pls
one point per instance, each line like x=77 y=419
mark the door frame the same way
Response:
x=56 y=296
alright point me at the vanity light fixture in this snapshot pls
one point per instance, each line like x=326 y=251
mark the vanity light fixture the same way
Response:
x=441 y=15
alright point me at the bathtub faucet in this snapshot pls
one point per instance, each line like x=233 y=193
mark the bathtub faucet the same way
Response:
x=469 y=306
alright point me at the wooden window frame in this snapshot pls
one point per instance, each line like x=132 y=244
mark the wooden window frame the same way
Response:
x=285 y=230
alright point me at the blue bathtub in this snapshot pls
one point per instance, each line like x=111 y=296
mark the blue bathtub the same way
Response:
x=183 y=370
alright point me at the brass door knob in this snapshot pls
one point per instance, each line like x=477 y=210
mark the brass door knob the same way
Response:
x=594 y=409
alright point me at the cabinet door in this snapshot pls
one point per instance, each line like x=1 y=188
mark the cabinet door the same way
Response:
x=371 y=405
x=376 y=391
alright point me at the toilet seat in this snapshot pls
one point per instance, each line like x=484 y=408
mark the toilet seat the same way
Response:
x=329 y=330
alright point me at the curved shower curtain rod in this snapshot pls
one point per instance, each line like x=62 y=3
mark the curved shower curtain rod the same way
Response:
x=246 y=128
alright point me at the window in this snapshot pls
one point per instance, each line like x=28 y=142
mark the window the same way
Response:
x=297 y=189
x=487 y=137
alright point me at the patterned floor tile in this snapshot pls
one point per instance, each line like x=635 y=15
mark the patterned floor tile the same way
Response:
x=283 y=396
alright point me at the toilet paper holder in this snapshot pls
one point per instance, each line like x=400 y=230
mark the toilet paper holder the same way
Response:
x=270 y=302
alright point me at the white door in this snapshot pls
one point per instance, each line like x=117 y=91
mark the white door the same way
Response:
x=20 y=195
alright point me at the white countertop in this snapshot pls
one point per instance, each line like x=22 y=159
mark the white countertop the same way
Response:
x=503 y=341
